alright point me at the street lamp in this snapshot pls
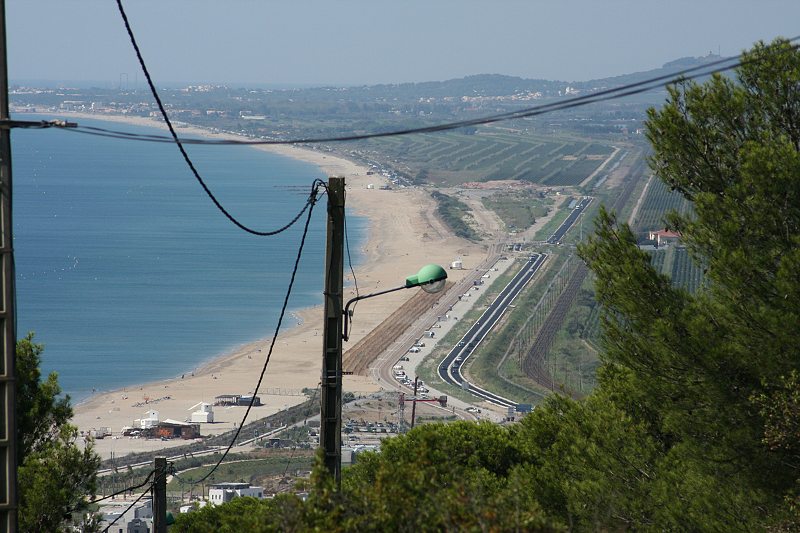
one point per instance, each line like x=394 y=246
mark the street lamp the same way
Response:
x=430 y=278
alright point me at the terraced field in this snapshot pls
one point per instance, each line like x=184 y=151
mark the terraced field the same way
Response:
x=678 y=265
x=454 y=157
x=658 y=202
x=685 y=273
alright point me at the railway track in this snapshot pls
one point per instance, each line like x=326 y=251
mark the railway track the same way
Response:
x=534 y=365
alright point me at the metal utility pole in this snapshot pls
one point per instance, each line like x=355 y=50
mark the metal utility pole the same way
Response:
x=8 y=426
x=160 y=495
x=331 y=389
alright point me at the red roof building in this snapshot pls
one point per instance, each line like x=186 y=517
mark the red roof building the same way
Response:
x=664 y=236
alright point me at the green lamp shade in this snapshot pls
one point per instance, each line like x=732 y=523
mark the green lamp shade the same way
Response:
x=430 y=277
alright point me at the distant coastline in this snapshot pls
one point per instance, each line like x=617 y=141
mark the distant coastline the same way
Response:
x=94 y=384
x=398 y=240
x=330 y=165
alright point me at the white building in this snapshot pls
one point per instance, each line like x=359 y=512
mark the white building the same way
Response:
x=150 y=420
x=224 y=492
x=205 y=413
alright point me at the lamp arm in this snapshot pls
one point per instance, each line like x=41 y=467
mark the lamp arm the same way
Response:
x=345 y=335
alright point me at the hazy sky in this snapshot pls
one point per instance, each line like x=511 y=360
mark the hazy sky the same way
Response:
x=378 y=41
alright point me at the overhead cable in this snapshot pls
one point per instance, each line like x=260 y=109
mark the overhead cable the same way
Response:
x=134 y=502
x=714 y=67
x=123 y=491
x=317 y=183
x=291 y=454
x=185 y=155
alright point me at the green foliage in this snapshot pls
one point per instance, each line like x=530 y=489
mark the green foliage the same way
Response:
x=324 y=510
x=39 y=409
x=456 y=477
x=589 y=462
x=460 y=476
x=454 y=212
x=55 y=475
x=690 y=366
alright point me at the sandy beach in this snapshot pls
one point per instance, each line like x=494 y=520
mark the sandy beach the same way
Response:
x=403 y=234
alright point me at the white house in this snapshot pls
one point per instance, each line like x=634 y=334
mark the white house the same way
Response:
x=219 y=493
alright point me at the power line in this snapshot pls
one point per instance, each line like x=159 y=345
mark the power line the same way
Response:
x=350 y=264
x=348 y=318
x=317 y=183
x=132 y=504
x=714 y=67
x=291 y=454
x=185 y=155
x=123 y=491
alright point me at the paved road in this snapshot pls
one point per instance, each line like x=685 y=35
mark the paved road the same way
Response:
x=556 y=237
x=450 y=369
x=381 y=369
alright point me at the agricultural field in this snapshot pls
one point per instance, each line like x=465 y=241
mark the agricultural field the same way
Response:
x=658 y=258
x=685 y=272
x=658 y=202
x=453 y=158
x=676 y=263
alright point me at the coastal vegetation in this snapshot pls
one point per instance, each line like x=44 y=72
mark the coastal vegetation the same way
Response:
x=455 y=214
x=693 y=425
x=255 y=470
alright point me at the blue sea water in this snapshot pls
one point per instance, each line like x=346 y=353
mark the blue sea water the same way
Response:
x=128 y=273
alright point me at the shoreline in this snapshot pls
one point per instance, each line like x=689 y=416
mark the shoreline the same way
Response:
x=398 y=241
x=328 y=164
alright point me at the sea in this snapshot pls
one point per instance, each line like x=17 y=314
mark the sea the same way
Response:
x=127 y=272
